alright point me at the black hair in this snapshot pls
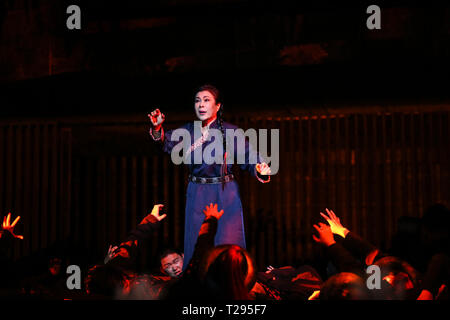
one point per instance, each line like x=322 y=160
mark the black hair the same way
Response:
x=105 y=280
x=344 y=286
x=228 y=272
x=218 y=98
x=165 y=252
x=394 y=266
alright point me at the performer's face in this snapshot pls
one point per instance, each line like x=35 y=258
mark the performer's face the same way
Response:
x=172 y=265
x=205 y=106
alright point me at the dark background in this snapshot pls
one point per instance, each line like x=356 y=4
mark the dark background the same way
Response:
x=363 y=116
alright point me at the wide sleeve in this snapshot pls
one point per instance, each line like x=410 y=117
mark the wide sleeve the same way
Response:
x=343 y=260
x=166 y=139
x=128 y=249
x=247 y=156
x=205 y=242
x=361 y=249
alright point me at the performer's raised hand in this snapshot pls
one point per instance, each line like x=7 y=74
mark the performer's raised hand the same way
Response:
x=263 y=169
x=7 y=226
x=156 y=119
x=211 y=211
x=335 y=223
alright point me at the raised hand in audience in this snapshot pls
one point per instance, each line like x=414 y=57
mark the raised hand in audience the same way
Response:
x=211 y=211
x=325 y=236
x=155 y=213
x=335 y=223
x=7 y=226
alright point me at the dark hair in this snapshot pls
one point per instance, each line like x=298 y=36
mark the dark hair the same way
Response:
x=400 y=272
x=212 y=89
x=435 y=232
x=344 y=286
x=165 y=252
x=228 y=273
x=105 y=280
x=218 y=99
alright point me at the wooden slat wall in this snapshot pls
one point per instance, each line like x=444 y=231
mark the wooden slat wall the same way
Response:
x=35 y=173
x=370 y=168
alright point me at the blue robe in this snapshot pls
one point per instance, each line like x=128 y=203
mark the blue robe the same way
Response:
x=231 y=224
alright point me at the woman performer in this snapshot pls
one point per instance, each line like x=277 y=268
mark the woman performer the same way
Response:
x=210 y=183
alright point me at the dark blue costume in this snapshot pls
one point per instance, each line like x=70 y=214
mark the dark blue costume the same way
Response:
x=231 y=225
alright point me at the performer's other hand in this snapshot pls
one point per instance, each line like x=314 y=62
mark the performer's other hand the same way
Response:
x=325 y=235
x=7 y=226
x=335 y=223
x=263 y=169
x=156 y=119
x=211 y=211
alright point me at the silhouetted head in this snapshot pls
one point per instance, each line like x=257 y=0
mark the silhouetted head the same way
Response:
x=399 y=280
x=106 y=281
x=435 y=229
x=344 y=286
x=228 y=272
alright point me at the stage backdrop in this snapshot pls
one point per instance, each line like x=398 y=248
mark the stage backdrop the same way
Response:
x=85 y=182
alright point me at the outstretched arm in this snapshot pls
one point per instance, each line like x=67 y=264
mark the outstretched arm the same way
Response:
x=357 y=246
x=7 y=236
x=340 y=257
x=205 y=240
x=125 y=253
x=252 y=159
x=8 y=270
x=7 y=226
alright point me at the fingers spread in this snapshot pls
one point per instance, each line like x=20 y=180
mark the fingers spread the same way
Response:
x=15 y=221
x=323 y=225
x=325 y=217
x=331 y=214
